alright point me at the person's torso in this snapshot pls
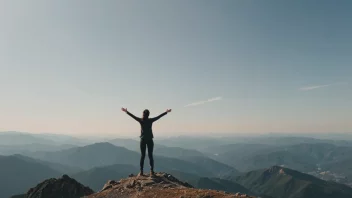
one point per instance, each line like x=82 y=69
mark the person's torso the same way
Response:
x=146 y=129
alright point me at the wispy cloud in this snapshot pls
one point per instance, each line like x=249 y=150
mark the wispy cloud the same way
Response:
x=308 y=88
x=204 y=101
x=313 y=87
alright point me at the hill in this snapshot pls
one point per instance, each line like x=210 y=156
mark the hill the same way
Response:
x=281 y=182
x=217 y=168
x=130 y=144
x=103 y=154
x=63 y=169
x=96 y=177
x=176 y=152
x=235 y=154
x=18 y=175
x=220 y=184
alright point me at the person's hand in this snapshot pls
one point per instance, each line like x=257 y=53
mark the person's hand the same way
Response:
x=124 y=109
x=168 y=110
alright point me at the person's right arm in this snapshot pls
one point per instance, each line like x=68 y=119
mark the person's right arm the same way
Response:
x=130 y=114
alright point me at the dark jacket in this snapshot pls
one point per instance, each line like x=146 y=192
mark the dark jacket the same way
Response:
x=146 y=125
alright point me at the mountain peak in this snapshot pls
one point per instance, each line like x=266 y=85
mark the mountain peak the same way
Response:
x=273 y=170
x=161 y=185
x=58 y=188
x=101 y=144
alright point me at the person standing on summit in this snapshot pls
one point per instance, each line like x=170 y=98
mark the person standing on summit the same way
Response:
x=146 y=137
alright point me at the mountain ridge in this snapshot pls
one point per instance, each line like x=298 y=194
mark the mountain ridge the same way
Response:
x=280 y=182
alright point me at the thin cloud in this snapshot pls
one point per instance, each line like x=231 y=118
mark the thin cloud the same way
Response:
x=308 y=88
x=204 y=101
x=313 y=87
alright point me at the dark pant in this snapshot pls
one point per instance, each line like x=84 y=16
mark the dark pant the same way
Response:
x=150 y=144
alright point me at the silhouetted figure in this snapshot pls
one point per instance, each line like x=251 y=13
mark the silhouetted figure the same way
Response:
x=146 y=136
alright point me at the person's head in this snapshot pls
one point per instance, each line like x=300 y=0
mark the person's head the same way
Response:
x=145 y=114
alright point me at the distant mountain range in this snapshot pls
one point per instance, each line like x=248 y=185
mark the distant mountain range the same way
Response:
x=303 y=157
x=274 y=182
x=105 y=154
x=262 y=169
x=87 y=157
x=21 y=138
x=201 y=143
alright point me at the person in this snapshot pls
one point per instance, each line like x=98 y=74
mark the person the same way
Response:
x=146 y=137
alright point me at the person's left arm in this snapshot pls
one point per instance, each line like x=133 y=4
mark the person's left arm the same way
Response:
x=161 y=115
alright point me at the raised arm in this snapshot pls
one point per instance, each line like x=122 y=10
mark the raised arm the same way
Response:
x=161 y=115
x=130 y=114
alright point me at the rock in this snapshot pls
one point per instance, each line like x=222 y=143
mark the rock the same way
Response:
x=188 y=185
x=147 y=182
x=105 y=187
x=168 y=186
x=109 y=185
x=130 y=184
x=58 y=188
x=171 y=178
x=113 y=182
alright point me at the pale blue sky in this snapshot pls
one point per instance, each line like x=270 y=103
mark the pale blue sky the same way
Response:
x=272 y=66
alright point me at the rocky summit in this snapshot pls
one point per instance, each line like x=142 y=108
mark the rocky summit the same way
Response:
x=161 y=185
x=64 y=187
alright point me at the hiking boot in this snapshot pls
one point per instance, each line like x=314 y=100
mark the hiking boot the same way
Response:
x=152 y=173
x=140 y=174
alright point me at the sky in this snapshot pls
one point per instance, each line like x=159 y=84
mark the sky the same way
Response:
x=223 y=67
